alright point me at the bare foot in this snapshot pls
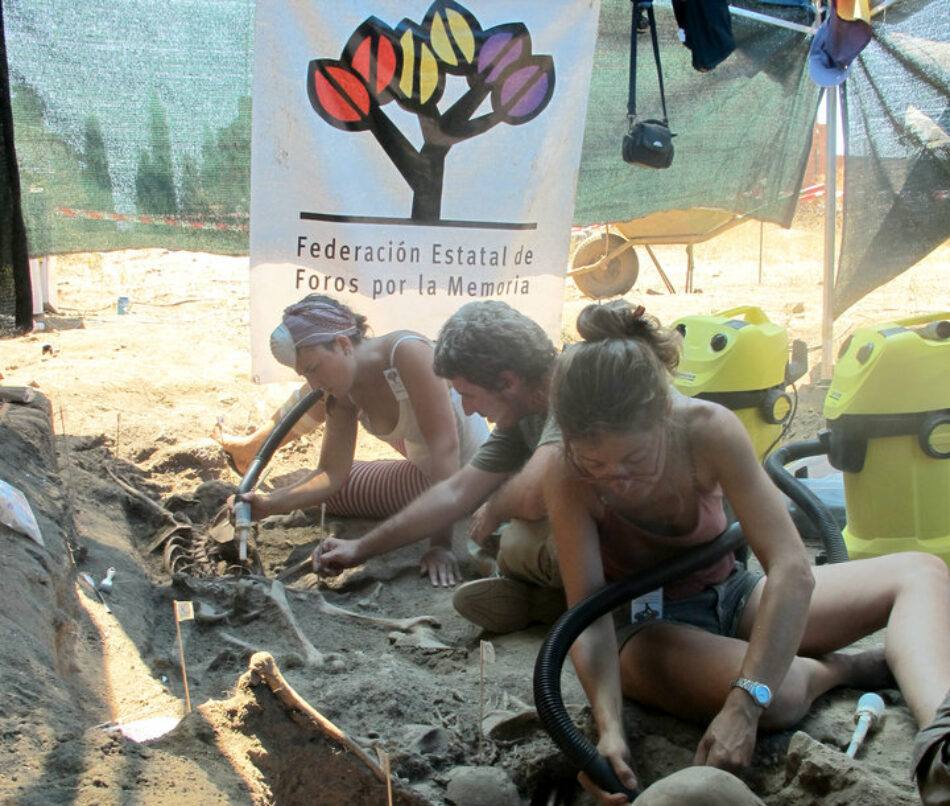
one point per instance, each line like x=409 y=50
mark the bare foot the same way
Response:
x=241 y=449
x=866 y=670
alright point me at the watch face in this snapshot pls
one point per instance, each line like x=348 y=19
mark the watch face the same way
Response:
x=762 y=694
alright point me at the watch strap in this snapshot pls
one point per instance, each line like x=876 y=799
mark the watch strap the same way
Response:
x=751 y=687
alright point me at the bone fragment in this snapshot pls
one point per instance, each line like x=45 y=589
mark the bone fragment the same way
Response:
x=278 y=595
x=423 y=638
x=244 y=646
x=402 y=625
x=140 y=496
x=263 y=664
x=208 y=614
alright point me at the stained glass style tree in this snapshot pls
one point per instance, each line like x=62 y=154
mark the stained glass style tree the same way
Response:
x=409 y=65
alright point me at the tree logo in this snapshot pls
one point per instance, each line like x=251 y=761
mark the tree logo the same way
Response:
x=410 y=65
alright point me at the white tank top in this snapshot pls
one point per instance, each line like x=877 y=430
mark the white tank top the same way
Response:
x=472 y=429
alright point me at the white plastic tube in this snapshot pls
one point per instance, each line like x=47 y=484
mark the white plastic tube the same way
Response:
x=870 y=709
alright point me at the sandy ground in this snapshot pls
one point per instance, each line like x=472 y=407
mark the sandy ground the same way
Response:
x=123 y=423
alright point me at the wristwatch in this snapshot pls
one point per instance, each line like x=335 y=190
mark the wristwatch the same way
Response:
x=760 y=693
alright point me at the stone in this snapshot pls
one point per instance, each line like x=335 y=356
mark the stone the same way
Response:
x=480 y=786
x=702 y=786
x=824 y=772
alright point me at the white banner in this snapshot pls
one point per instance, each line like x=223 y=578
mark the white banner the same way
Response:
x=406 y=165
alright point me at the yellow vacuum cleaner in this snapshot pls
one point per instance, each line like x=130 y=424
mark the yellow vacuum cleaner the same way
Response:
x=740 y=359
x=888 y=413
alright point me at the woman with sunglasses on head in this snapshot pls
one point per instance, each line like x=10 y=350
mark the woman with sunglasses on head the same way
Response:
x=642 y=478
x=387 y=385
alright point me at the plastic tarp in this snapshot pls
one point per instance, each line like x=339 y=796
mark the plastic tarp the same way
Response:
x=132 y=122
x=132 y=125
x=897 y=169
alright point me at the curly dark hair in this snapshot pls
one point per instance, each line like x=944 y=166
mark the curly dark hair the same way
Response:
x=483 y=339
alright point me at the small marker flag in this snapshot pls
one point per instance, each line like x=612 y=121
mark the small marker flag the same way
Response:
x=184 y=611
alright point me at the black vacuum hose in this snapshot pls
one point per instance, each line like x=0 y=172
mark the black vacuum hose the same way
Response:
x=809 y=503
x=242 y=509
x=547 y=669
x=274 y=438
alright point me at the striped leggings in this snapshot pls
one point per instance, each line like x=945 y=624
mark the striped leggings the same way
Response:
x=374 y=489
x=378 y=489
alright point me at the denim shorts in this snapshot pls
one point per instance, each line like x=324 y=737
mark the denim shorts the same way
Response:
x=716 y=609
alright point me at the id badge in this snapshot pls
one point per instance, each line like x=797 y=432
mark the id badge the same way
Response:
x=647 y=607
x=395 y=383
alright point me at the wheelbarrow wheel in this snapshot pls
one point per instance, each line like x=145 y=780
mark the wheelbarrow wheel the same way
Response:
x=613 y=278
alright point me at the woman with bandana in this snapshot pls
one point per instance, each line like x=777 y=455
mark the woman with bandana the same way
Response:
x=386 y=384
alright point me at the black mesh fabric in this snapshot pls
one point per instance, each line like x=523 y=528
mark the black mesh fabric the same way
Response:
x=16 y=301
x=133 y=129
x=897 y=169
x=743 y=130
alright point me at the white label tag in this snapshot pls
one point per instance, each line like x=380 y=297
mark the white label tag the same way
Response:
x=647 y=607
x=395 y=383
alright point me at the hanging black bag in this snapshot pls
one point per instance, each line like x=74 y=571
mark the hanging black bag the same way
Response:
x=648 y=142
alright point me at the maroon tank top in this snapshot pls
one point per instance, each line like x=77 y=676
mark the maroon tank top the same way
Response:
x=627 y=547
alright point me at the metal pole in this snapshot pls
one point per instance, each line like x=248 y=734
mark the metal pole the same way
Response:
x=831 y=182
x=739 y=11
x=761 y=247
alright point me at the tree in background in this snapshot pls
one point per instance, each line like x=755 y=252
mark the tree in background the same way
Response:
x=95 y=177
x=67 y=187
x=226 y=164
x=194 y=200
x=220 y=187
x=155 y=177
x=50 y=173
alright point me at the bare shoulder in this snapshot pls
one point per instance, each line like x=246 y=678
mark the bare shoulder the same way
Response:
x=406 y=343
x=561 y=486
x=709 y=424
x=716 y=435
x=410 y=353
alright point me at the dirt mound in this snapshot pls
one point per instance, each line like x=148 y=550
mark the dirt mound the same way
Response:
x=56 y=710
x=284 y=750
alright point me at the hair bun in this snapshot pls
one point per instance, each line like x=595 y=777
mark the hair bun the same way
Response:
x=615 y=320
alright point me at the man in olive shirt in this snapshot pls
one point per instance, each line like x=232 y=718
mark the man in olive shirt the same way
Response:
x=500 y=363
